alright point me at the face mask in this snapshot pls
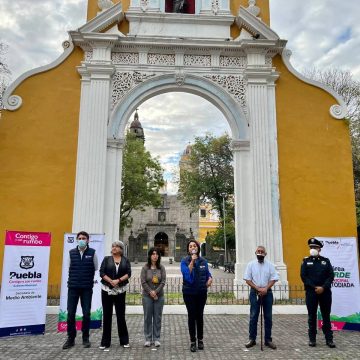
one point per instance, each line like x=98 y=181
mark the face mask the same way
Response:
x=314 y=252
x=82 y=243
x=260 y=257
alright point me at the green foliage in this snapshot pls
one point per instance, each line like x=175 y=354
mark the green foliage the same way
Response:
x=208 y=176
x=217 y=238
x=142 y=178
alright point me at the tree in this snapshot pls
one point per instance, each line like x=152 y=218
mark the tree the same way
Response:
x=208 y=175
x=217 y=237
x=141 y=180
x=349 y=89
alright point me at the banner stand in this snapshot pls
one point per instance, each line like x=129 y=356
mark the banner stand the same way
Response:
x=97 y=242
x=345 y=310
x=24 y=283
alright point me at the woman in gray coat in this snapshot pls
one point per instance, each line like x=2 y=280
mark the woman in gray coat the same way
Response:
x=153 y=277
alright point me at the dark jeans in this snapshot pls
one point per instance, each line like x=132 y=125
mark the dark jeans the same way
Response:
x=312 y=302
x=195 y=307
x=255 y=302
x=85 y=296
x=108 y=301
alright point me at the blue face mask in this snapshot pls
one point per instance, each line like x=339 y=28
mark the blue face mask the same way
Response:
x=82 y=243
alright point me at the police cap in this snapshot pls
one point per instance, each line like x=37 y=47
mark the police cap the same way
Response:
x=315 y=242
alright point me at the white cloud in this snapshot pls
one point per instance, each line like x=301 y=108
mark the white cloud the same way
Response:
x=160 y=117
x=321 y=33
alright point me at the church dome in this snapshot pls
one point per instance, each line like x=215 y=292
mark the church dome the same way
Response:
x=136 y=124
x=136 y=127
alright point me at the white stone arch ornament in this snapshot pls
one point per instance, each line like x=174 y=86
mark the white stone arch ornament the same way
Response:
x=120 y=72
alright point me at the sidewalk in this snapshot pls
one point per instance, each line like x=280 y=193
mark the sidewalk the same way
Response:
x=224 y=338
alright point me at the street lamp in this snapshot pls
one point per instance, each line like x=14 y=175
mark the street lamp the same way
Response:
x=224 y=227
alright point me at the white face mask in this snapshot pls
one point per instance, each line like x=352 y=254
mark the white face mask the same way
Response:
x=314 y=252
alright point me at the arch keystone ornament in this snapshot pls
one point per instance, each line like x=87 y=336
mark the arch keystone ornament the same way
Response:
x=157 y=53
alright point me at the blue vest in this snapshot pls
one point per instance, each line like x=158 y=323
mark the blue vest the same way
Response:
x=199 y=272
x=82 y=270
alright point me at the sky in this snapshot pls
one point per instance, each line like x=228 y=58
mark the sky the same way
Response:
x=320 y=33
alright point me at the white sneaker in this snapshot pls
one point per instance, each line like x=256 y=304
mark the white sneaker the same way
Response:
x=102 y=347
x=126 y=345
x=107 y=349
x=147 y=344
x=157 y=343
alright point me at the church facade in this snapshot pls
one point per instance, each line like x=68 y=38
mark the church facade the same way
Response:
x=62 y=133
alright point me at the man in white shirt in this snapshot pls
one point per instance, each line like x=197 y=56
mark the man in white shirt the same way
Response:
x=260 y=275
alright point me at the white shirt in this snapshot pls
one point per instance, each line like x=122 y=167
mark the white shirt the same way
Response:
x=261 y=273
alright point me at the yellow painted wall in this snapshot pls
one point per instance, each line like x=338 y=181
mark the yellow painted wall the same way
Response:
x=206 y=227
x=315 y=167
x=38 y=146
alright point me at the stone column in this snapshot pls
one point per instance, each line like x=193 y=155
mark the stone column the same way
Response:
x=264 y=156
x=92 y=141
x=244 y=212
x=114 y=160
x=275 y=192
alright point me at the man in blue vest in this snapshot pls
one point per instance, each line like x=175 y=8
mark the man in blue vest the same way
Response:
x=83 y=263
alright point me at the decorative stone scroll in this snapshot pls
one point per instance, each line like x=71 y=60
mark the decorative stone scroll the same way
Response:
x=161 y=59
x=215 y=6
x=88 y=55
x=105 y=4
x=252 y=8
x=234 y=84
x=144 y=4
x=124 y=81
x=125 y=58
x=233 y=61
x=268 y=60
x=197 y=60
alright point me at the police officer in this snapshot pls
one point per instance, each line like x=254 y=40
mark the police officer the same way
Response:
x=317 y=275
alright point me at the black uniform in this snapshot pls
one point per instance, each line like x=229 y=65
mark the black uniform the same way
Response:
x=318 y=271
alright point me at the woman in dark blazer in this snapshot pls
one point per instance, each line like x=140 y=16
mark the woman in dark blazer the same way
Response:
x=115 y=272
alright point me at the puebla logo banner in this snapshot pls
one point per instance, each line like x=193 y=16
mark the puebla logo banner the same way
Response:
x=345 y=309
x=97 y=243
x=24 y=283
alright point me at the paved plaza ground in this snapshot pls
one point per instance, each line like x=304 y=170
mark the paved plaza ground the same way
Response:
x=224 y=338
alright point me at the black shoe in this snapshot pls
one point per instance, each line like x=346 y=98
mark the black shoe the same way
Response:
x=200 y=345
x=86 y=343
x=250 y=343
x=312 y=343
x=68 y=344
x=330 y=344
x=193 y=347
x=271 y=345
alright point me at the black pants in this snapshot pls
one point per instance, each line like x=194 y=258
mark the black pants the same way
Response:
x=85 y=296
x=108 y=301
x=312 y=302
x=195 y=307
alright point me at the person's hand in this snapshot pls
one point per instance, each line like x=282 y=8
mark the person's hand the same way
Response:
x=115 y=282
x=262 y=291
x=193 y=257
x=319 y=290
x=209 y=282
x=153 y=294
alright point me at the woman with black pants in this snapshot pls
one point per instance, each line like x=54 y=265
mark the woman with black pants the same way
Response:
x=196 y=280
x=115 y=272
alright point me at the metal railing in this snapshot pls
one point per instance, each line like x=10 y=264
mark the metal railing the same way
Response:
x=222 y=292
